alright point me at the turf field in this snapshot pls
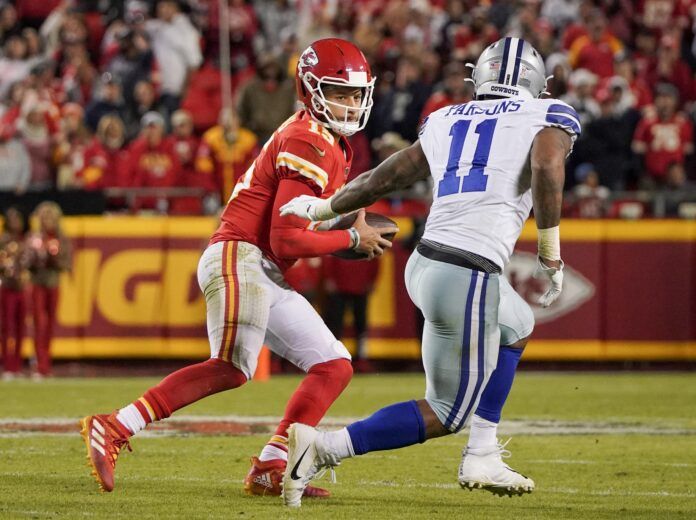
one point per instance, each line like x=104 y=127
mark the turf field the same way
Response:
x=605 y=445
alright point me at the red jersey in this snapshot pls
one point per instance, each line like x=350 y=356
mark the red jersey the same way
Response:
x=665 y=142
x=597 y=57
x=105 y=167
x=301 y=158
x=153 y=166
x=185 y=148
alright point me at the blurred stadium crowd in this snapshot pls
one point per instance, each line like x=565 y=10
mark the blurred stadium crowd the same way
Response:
x=121 y=94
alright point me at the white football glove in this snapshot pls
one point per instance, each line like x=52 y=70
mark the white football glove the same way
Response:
x=556 y=278
x=309 y=208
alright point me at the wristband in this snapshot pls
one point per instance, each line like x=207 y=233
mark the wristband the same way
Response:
x=354 y=238
x=322 y=210
x=549 y=243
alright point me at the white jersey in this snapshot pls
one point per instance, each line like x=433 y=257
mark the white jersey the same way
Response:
x=478 y=155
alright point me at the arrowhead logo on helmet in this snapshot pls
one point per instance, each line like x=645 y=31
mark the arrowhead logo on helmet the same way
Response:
x=309 y=58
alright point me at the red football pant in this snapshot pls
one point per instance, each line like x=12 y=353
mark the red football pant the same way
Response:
x=45 y=301
x=13 y=306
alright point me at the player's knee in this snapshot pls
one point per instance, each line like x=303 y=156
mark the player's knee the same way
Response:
x=443 y=411
x=520 y=344
x=224 y=370
x=340 y=370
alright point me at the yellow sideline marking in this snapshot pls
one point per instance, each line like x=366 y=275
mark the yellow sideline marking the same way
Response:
x=574 y=230
x=378 y=348
x=581 y=350
x=620 y=230
x=140 y=227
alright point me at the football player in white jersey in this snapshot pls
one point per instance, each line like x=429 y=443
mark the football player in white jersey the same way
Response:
x=491 y=160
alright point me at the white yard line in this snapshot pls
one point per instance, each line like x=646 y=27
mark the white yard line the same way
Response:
x=593 y=462
x=511 y=427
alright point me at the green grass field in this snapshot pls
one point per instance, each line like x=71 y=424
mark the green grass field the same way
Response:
x=604 y=445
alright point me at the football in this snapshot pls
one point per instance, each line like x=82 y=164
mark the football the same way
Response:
x=373 y=219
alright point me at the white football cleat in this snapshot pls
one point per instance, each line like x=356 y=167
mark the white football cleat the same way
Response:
x=307 y=459
x=483 y=468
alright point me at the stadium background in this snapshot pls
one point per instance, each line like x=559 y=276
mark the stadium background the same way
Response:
x=77 y=79
x=616 y=444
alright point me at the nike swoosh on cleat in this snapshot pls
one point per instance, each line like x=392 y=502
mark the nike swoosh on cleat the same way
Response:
x=320 y=152
x=293 y=473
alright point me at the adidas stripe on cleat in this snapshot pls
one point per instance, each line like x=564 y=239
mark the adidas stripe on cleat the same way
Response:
x=104 y=443
x=265 y=479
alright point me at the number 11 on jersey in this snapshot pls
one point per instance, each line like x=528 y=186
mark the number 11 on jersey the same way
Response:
x=475 y=179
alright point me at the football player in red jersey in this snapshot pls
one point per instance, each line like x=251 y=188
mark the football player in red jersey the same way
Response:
x=241 y=272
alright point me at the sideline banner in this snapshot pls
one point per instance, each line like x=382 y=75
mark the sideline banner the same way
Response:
x=630 y=291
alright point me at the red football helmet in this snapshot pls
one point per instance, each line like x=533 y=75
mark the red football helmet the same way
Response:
x=334 y=62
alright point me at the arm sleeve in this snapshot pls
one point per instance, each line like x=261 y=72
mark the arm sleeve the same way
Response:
x=640 y=141
x=290 y=237
x=193 y=47
x=204 y=159
x=574 y=51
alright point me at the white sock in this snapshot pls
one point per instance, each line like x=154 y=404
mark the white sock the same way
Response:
x=131 y=418
x=272 y=453
x=483 y=433
x=339 y=443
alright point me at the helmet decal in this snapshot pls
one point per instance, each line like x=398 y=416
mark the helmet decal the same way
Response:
x=309 y=58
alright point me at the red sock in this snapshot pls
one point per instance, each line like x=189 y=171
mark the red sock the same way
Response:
x=317 y=392
x=180 y=389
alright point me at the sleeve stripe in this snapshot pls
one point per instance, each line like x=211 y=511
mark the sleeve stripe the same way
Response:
x=303 y=167
x=564 y=122
x=574 y=118
x=562 y=109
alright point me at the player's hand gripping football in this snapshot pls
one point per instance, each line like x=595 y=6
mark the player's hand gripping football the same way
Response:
x=553 y=271
x=308 y=208
x=371 y=243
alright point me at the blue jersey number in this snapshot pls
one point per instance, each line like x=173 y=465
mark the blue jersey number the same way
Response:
x=475 y=180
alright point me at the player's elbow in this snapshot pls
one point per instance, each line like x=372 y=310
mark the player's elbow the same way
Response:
x=546 y=161
x=548 y=168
